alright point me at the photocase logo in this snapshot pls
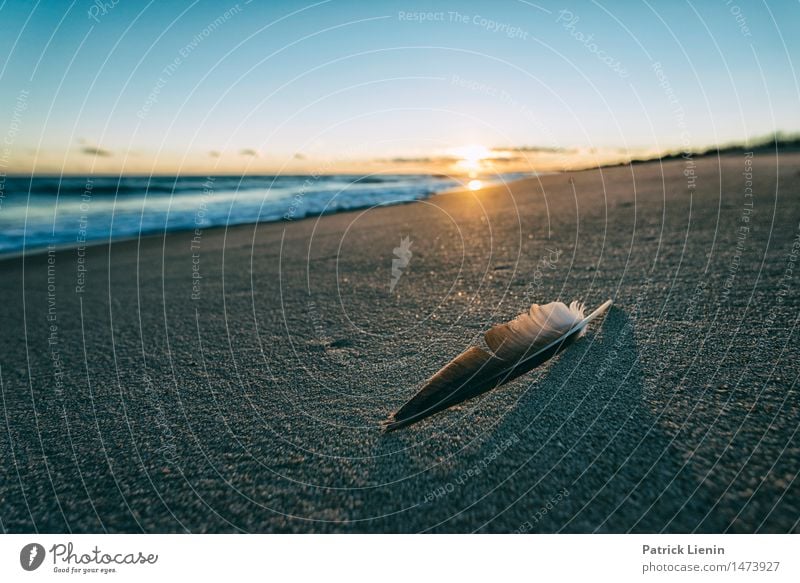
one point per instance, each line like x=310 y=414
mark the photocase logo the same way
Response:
x=402 y=257
x=31 y=556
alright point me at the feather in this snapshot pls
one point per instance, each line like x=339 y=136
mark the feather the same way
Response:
x=515 y=348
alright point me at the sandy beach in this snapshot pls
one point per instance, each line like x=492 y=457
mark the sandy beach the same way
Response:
x=235 y=379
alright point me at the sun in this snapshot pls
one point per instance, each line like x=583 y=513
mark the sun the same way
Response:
x=471 y=157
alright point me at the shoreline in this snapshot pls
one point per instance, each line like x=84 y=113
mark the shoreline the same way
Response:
x=99 y=242
x=11 y=255
x=668 y=158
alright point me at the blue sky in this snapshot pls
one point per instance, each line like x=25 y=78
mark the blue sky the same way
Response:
x=339 y=85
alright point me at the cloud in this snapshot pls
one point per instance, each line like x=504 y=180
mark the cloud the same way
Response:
x=421 y=160
x=94 y=151
x=536 y=150
x=507 y=159
x=249 y=152
x=498 y=155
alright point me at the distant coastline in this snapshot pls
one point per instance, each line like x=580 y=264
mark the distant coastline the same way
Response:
x=776 y=143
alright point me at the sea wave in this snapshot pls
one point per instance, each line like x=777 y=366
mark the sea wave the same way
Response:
x=40 y=211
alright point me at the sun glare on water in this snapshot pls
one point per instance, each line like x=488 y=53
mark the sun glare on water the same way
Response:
x=475 y=184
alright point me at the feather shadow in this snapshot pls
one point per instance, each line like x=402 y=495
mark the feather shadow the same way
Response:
x=588 y=427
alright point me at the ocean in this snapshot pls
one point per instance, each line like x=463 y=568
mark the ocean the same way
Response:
x=41 y=211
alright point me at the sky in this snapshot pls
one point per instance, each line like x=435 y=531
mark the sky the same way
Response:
x=124 y=87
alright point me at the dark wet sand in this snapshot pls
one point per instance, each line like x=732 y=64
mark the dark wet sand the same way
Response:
x=256 y=407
